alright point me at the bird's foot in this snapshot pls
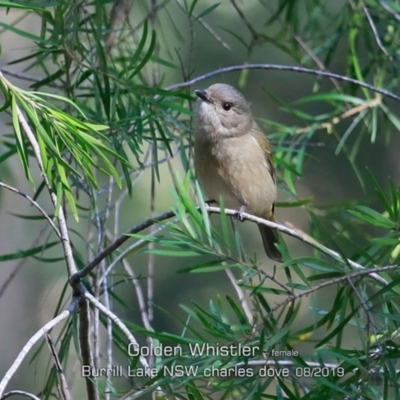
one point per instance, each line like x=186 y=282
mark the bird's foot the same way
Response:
x=239 y=213
x=210 y=202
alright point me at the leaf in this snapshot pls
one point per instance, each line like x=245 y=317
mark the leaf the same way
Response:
x=207 y=267
x=27 y=253
x=208 y=10
x=372 y=217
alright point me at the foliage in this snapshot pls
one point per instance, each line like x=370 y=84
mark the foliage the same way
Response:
x=107 y=109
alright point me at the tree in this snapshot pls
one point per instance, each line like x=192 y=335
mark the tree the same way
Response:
x=104 y=131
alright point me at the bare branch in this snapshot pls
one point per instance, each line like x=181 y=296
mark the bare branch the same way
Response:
x=35 y=204
x=86 y=348
x=169 y=214
x=374 y=30
x=277 y=67
x=356 y=274
x=33 y=340
x=61 y=217
x=19 y=393
x=64 y=389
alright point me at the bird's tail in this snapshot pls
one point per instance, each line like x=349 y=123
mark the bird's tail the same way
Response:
x=270 y=238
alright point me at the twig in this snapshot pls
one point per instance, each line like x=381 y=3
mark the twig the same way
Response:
x=140 y=296
x=61 y=216
x=374 y=30
x=118 y=243
x=65 y=393
x=241 y=296
x=35 y=204
x=299 y=235
x=278 y=67
x=216 y=210
x=389 y=10
x=19 y=393
x=330 y=282
x=207 y=27
x=126 y=251
x=109 y=314
x=375 y=102
x=86 y=348
x=33 y=340
x=7 y=281
x=123 y=328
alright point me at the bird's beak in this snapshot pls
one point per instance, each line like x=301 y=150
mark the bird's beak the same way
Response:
x=203 y=95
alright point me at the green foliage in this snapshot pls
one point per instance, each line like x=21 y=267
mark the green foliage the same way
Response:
x=103 y=134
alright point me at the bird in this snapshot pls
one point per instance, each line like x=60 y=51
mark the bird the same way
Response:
x=233 y=158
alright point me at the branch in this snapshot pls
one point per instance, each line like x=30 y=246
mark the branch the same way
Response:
x=34 y=203
x=352 y=275
x=61 y=216
x=33 y=340
x=374 y=30
x=19 y=393
x=297 y=234
x=86 y=348
x=118 y=243
x=64 y=391
x=216 y=210
x=117 y=321
x=278 y=67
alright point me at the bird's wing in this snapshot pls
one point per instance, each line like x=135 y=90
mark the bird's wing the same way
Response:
x=265 y=146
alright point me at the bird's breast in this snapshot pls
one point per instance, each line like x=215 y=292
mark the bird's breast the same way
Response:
x=236 y=169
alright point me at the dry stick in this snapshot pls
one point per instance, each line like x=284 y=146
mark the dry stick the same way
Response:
x=64 y=391
x=34 y=203
x=33 y=340
x=277 y=67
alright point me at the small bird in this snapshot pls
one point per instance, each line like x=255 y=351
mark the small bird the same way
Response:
x=233 y=158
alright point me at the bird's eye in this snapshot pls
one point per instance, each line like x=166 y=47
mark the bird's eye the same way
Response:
x=227 y=106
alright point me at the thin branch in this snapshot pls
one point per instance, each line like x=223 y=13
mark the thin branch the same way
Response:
x=208 y=28
x=241 y=296
x=35 y=204
x=299 y=235
x=330 y=282
x=86 y=348
x=117 y=321
x=19 y=393
x=61 y=216
x=129 y=249
x=140 y=296
x=7 y=281
x=118 y=243
x=389 y=10
x=373 y=103
x=277 y=67
x=64 y=391
x=33 y=340
x=374 y=30
x=216 y=210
